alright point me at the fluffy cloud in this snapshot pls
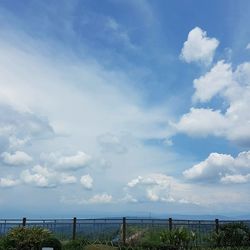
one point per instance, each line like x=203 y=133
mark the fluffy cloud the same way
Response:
x=167 y=189
x=87 y=181
x=71 y=162
x=198 y=122
x=159 y=188
x=199 y=47
x=215 y=166
x=40 y=176
x=221 y=168
x=248 y=46
x=207 y=86
x=233 y=87
x=8 y=182
x=18 y=158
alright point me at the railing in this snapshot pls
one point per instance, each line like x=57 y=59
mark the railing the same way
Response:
x=119 y=230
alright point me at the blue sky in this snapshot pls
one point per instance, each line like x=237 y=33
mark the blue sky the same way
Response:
x=124 y=107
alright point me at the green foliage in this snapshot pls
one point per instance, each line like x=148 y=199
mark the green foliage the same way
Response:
x=52 y=242
x=23 y=238
x=179 y=238
x=231 y=235
x=152 y=237
x=77 y=244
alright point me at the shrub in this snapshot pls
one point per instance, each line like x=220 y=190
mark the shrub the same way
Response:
x=179 y=238
x=232 y=235
x=52 y=242
x=23 y=238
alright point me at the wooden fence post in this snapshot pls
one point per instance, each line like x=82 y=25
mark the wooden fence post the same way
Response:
x=170 y=224
x=217 y=225
x=24 y=222
x=124 y=230
x=74 y=229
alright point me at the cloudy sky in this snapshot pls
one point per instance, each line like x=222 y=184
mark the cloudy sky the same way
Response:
x=124 y=107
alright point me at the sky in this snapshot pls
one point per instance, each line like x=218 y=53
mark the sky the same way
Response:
x=124 y=107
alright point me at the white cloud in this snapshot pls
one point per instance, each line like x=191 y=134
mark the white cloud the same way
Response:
x=67 y=179
x=235 y=179
x=87 y=181
x=79 y=160
x=199 y=47
x=18 y=158
x=128 y=199
x=213 y=82
x=167 y=189
x=159 y=188
x=233 y=123
x=198 y=123
x=8 y=182
x=214 y=167
x=70 y=162
x=40 y=176
x=242 y=74
x=101 y=198
x=248 y=46
x=221 y=168
x=18 y=125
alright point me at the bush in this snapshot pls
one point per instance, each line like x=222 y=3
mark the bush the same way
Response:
x=179 y=238
x=23 y=238
x=52 y=242
x=232 y=235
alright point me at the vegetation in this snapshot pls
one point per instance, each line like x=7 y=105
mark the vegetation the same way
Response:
x=230 y=236
x=78 y=244
x=52 y=242
x=22 y=238
x=179 y=238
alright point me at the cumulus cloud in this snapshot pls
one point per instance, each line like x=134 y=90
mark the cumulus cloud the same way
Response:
x=248 y=46
x=79 y=160
x=167 y=189
x=87 y=181
x=198 y=122
x=8 y=182
x=40 y=176
x=233 y=87
x=199 y=47
x=18 y=158
x=207 y=86
x=73 y=162
x=159 y=188
x=222 y=168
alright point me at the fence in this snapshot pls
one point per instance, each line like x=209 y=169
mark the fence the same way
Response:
x=119 y=230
